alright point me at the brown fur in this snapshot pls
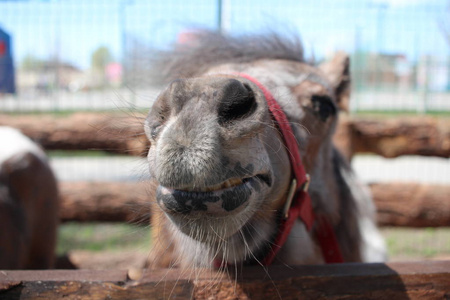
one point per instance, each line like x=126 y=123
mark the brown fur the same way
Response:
x=28 y=213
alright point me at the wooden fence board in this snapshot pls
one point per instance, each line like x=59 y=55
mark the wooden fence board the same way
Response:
x=418 y=280
x=412 y=204
x=116 y=133
x=124 y=134
x=402 y=136
x=398 y=204
x=104 y=202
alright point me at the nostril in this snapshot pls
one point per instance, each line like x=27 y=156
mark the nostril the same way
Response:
x=238 y=102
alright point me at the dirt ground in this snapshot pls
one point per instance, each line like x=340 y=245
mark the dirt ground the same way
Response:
x=120 y=246
x=105 y=260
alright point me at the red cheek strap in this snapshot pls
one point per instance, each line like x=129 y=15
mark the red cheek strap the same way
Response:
x=298 y=203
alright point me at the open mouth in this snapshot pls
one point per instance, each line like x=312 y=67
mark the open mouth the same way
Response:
x=216 y=199
x=230 y=183
x=227 y=184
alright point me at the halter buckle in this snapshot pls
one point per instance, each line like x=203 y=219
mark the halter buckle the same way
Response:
x=291 y=194
x=289 y=198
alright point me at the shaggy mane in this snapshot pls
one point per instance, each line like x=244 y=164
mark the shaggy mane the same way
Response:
x=210 y=48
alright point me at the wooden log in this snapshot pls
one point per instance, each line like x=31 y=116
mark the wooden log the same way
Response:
x=124 y=134
x=105 y=202
x=406 y=136
x=116 y=133
x=412 y=204
x=417 y=280
x=398 y=204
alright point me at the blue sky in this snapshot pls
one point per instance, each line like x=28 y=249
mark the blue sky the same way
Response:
x=75 y=28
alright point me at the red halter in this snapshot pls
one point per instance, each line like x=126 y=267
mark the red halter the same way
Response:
x=298 y=203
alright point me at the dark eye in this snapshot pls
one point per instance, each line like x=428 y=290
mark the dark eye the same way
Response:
x=157 y=124
x=323 y=106
x=155 y=130
x=157 y=118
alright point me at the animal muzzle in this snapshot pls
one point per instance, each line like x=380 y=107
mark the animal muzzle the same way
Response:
x=227 y=198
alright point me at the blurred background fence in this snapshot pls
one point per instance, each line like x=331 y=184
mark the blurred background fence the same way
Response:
x=65 y=56
x=91 y=54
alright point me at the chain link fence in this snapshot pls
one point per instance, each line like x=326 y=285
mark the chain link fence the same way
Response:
x=93 y=55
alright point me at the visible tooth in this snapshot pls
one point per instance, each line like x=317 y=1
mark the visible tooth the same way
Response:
x=213 y=188
x=210 y=188
x=235 y=182
x=224 y=185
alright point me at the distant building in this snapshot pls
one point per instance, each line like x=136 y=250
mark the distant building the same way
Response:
x=7 y=76
x=389 y=70
x=50 y=76
x=433 y=74
x=378 y=71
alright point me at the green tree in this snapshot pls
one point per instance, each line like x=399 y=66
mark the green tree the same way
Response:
x=32 y=63
x=101 y=58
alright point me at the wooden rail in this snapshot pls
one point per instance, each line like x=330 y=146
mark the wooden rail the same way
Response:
x=117 y=133
x=104 y=202
x=124 y=134
x=398 y=204
x=394 y=137
x=412 y=204
x=419 y=280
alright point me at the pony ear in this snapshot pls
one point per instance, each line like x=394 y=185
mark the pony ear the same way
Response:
x=338 y=72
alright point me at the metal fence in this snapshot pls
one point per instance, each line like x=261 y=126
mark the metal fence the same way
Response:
x=90 y=55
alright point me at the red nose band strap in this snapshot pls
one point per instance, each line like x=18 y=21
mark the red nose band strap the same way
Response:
x=298 y=204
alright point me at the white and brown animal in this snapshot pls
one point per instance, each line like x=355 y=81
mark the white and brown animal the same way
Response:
x=28 y=204
x=220 y=168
